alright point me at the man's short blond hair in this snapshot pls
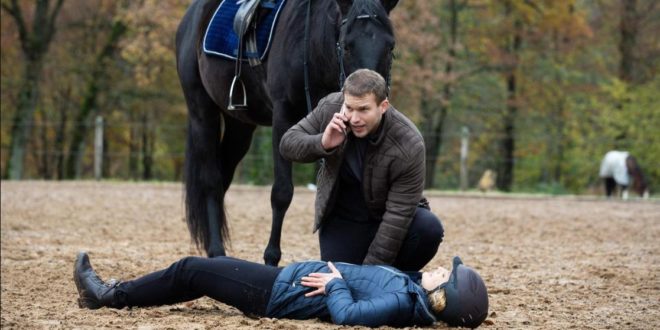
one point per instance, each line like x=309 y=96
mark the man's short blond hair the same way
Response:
x=365 y=81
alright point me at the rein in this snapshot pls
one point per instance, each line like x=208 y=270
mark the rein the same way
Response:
x=305 y=58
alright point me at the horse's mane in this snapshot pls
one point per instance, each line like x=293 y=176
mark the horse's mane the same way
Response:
x=328 y=34
x=324 y=26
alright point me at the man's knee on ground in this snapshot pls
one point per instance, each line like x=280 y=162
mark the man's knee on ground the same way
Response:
x=435 y=231
x=429 y=225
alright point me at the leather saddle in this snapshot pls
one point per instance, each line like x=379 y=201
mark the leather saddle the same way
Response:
x=245 y=23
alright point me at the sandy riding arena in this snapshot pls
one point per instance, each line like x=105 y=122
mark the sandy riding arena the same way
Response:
x=549 y=263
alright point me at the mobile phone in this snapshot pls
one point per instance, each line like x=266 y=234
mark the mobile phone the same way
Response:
x=346 y=122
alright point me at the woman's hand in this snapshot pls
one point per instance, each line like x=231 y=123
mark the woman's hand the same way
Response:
x=319 y=280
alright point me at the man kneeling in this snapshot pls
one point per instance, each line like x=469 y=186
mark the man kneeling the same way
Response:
x=371 y=178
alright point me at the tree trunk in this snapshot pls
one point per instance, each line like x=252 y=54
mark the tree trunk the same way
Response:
x=147 y=148
x=628 y=40
x=23 y=119
x=44 y=154
x=34 y=44
x=559 y=141
x=105 y=168
x=59 y=141
x=133 y=149
x=558 y=136
x=435 y=124
x=507 y=144
x=82 y=124
x=432 y=141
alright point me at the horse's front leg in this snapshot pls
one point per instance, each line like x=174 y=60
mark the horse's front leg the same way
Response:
x=282 y=191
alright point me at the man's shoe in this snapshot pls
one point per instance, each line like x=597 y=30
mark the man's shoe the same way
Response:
x=93 y=292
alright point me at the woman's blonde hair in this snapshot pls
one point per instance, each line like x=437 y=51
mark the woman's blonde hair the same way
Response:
x=437 y=300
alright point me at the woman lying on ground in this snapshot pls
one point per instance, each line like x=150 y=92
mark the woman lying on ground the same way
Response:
x=345 y=294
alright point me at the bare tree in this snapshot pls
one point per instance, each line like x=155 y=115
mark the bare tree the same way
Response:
x=99 y=71
x=431 y=50
x=507 y=144
x=35 y=41
x=437 y=114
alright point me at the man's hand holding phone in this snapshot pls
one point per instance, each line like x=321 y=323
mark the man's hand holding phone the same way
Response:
x=335 y=132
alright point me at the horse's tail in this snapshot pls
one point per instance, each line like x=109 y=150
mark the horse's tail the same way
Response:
x=202 y=175
x=203 y=181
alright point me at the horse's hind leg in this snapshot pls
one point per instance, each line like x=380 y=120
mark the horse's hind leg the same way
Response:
x=204 y=190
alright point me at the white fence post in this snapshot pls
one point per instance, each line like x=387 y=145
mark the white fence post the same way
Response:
x=465 y=134
x=98 y=148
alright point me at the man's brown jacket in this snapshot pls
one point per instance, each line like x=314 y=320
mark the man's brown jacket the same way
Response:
x=393 y=178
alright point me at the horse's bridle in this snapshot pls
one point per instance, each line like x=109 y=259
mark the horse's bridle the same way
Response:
x=340 y=55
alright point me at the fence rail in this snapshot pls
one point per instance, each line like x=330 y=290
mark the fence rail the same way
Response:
x=458 y=166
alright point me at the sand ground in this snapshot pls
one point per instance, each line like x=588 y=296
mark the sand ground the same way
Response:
x=549 y=263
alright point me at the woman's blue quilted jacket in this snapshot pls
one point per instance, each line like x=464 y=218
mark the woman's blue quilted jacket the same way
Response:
x=367 y=295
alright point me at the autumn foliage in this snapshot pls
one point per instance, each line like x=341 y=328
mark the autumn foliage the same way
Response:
x=544 y=87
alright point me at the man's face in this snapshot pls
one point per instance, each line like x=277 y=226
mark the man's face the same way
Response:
x=363 y=113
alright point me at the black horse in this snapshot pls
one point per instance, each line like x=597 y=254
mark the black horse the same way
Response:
x=314 y=45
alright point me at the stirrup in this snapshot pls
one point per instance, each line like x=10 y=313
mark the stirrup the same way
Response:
x=237 y=106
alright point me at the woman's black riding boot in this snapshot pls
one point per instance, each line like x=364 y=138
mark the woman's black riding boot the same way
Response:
x=94 y=293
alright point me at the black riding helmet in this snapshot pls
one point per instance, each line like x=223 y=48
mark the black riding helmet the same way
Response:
x=466 y=297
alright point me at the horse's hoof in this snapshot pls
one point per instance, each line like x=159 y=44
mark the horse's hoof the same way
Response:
x=212 y=253
x=272 y=258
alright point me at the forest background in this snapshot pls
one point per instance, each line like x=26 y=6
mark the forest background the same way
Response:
x=541 y=88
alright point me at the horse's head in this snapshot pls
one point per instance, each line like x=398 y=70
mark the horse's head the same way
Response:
x=639 y=184
x=366 y=37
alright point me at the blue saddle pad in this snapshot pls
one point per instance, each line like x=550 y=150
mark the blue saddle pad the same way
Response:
x=221 y=40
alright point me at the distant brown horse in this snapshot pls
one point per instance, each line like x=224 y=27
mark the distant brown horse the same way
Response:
x=315 y=44
x=619 y=168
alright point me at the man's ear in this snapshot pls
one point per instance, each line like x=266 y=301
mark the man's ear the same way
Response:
x=384 y=105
